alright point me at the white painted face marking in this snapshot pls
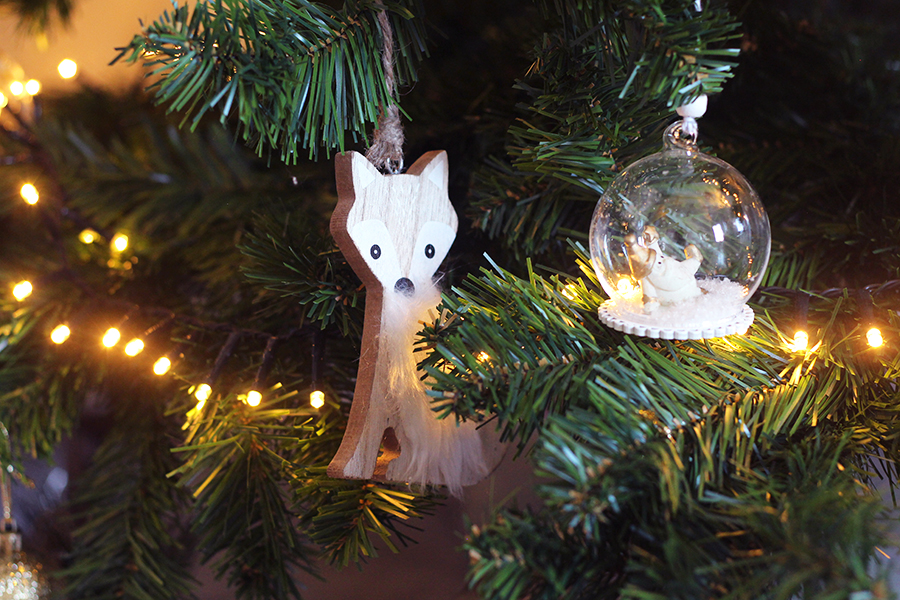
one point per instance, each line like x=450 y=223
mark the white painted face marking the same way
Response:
x=439 y=237
x=373 y=240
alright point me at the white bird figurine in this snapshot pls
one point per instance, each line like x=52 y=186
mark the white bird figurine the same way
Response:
x=664 y=280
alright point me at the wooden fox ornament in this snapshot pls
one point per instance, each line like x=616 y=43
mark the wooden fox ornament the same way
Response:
x=395 y=231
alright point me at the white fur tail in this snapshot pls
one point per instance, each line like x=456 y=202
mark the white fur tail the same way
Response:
x=432 y=450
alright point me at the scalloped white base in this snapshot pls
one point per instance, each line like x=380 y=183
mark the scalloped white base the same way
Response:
x=739 y=323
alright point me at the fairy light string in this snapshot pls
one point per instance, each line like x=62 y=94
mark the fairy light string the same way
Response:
x=254 y=396
x=316 y=395
x=52 y=207
x=386 y=152
x=168 y=319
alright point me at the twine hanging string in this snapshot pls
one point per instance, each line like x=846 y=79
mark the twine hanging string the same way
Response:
x=386 y=151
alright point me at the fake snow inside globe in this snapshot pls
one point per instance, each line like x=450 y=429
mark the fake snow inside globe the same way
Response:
x=679 y=241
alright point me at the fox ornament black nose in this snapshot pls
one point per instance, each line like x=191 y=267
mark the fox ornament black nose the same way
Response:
x=405 y=287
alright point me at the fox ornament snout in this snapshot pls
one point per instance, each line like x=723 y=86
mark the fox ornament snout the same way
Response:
x=395 y=231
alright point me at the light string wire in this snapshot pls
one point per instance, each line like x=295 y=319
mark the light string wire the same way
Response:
x=58 y=209
x=388 y=148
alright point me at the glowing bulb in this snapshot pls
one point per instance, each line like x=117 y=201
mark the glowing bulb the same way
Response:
x=162 y=366
x=22 y=290
x=60 y=334
x=111 y=337
x=134 y=347
x=483 y=356
x=254 y=398
x=569 y=291
x=317 y=399
x=624 y=286
x=87 y=236
x=119 y=242
x=67 y=69
x=3 y=100
x=32 y=87
x=800 y=342
x=874 y=337
x=202 y=394
x=29 y=194
x=17 y=88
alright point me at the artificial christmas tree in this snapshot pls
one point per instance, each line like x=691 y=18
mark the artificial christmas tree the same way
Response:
x=186 y=302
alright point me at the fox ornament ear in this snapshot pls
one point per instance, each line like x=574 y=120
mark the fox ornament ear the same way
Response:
x=395 y=231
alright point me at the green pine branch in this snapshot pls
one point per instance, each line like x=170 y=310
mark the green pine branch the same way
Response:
x=796 y=524
x=526 y=212
x=38 y=15
x=293 y=74
x=40 y=392
x=127 y=543
x=601 y=82
x=293 y=261
x=674 y=453
x=185 y=199
x=514 y=557
x=601 y=86
x=534 y=326
x=232 y=466
x=346 y=518
x=747 y=498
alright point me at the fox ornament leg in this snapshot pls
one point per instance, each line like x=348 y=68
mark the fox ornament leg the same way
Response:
x=395 y=231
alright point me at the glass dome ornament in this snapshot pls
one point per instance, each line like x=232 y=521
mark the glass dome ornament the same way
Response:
x=679 y=241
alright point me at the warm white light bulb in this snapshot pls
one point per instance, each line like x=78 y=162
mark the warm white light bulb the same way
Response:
x=800 y=342
x=317 y=399
x=119 y=242
x=202 y=394
x=60 y=334
x=17 y=88
x=87 y=236
x=874 y=337
x=162 y=366
x=3 y=100
x=29 y=194
x=32 y=87
x=624 y=286
x=111 y=337
x=254 y=398
x=22 y=290
x=134 y=347
x=483 y=356
x=67 y=69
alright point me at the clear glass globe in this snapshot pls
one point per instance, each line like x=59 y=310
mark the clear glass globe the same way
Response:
x=679 y=241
